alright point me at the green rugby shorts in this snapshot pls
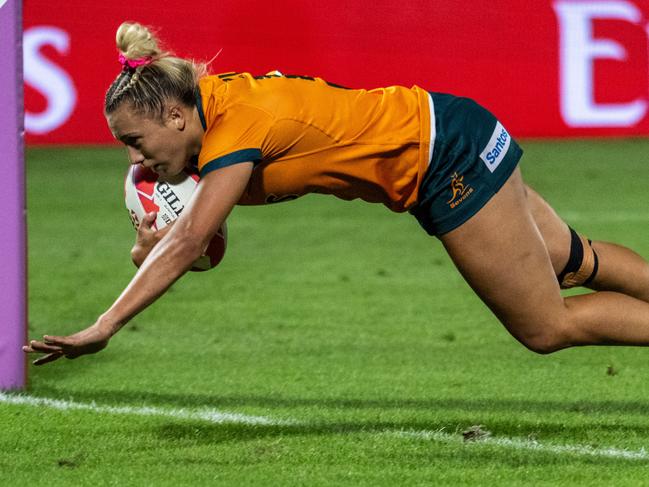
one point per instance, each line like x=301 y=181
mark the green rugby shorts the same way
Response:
x=472 y=157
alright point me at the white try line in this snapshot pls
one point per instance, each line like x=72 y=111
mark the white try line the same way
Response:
x=219 y=417
x=523 y=444
x=207 y=415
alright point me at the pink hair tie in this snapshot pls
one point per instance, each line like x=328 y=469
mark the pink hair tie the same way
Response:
x=134 y=63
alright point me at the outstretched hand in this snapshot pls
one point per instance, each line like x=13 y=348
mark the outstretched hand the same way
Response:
x=91 y=340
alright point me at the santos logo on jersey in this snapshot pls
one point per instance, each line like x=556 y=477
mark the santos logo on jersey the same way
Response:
x=498 y=145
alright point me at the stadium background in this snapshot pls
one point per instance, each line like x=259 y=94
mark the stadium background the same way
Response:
x=549 y=68
x=336 y=344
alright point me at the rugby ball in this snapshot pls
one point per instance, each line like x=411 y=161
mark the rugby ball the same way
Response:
x=144 y=193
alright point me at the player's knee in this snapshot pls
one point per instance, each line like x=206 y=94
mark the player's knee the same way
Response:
x=547 y=335
x=582 y=263
x=544 y=344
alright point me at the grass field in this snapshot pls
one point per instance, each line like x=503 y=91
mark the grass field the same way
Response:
x=335 y=345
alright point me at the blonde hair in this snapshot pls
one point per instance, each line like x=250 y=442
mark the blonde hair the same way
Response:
x=150 y=76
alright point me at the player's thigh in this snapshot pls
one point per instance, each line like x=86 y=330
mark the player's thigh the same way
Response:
x=554 y=231
x=501 y=254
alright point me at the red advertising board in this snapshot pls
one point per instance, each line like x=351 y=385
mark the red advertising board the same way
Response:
x=546 y=68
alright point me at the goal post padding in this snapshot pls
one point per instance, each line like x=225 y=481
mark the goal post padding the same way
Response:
x=13 y=308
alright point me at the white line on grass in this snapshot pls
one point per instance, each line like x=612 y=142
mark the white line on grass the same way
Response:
x=208 y=415
x=523 y=444
x=220 y=417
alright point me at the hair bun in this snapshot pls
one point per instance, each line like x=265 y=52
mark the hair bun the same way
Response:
x=136 y=41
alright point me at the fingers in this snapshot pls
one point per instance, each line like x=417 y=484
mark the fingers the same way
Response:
x=163 y=231
x=91 y=340
x=57 y=341
x=147 y=225
x=147 y=233
x=36 y=346
x=52 y=351
x=53 y=346
x=50 y=357
x=148 y=220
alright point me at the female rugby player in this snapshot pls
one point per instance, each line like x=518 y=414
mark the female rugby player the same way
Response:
x=444 y=159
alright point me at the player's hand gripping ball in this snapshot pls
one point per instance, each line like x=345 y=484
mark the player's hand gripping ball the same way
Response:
x=144 y=193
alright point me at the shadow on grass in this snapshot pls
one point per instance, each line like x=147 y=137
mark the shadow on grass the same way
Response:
x=583 y=420
x=484 y=406
x=347 y=439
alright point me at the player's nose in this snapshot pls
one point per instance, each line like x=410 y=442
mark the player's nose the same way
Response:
x=135 y=156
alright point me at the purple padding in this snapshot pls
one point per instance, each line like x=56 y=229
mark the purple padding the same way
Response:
x=12 y=220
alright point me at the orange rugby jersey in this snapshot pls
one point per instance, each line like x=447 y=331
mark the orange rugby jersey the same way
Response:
x=308 y=136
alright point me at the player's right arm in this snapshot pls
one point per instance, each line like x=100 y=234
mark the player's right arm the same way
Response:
x=214 y=198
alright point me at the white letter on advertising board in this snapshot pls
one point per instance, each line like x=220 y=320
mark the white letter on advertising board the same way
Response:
x=578 y=52
x=48 y=78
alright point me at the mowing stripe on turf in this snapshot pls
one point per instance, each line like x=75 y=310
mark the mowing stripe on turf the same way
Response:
x=220 y=417
x=605 y=216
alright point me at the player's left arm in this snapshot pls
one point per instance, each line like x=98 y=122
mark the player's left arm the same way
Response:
x=147 y=238
x=215 y=196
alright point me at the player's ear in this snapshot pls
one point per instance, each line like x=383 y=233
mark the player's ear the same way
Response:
x=176 y=116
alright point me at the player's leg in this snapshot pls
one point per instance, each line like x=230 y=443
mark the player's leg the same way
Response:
x=618 y=268
x=502 y=255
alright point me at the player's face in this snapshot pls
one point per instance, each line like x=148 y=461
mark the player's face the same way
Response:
x=160 y=145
